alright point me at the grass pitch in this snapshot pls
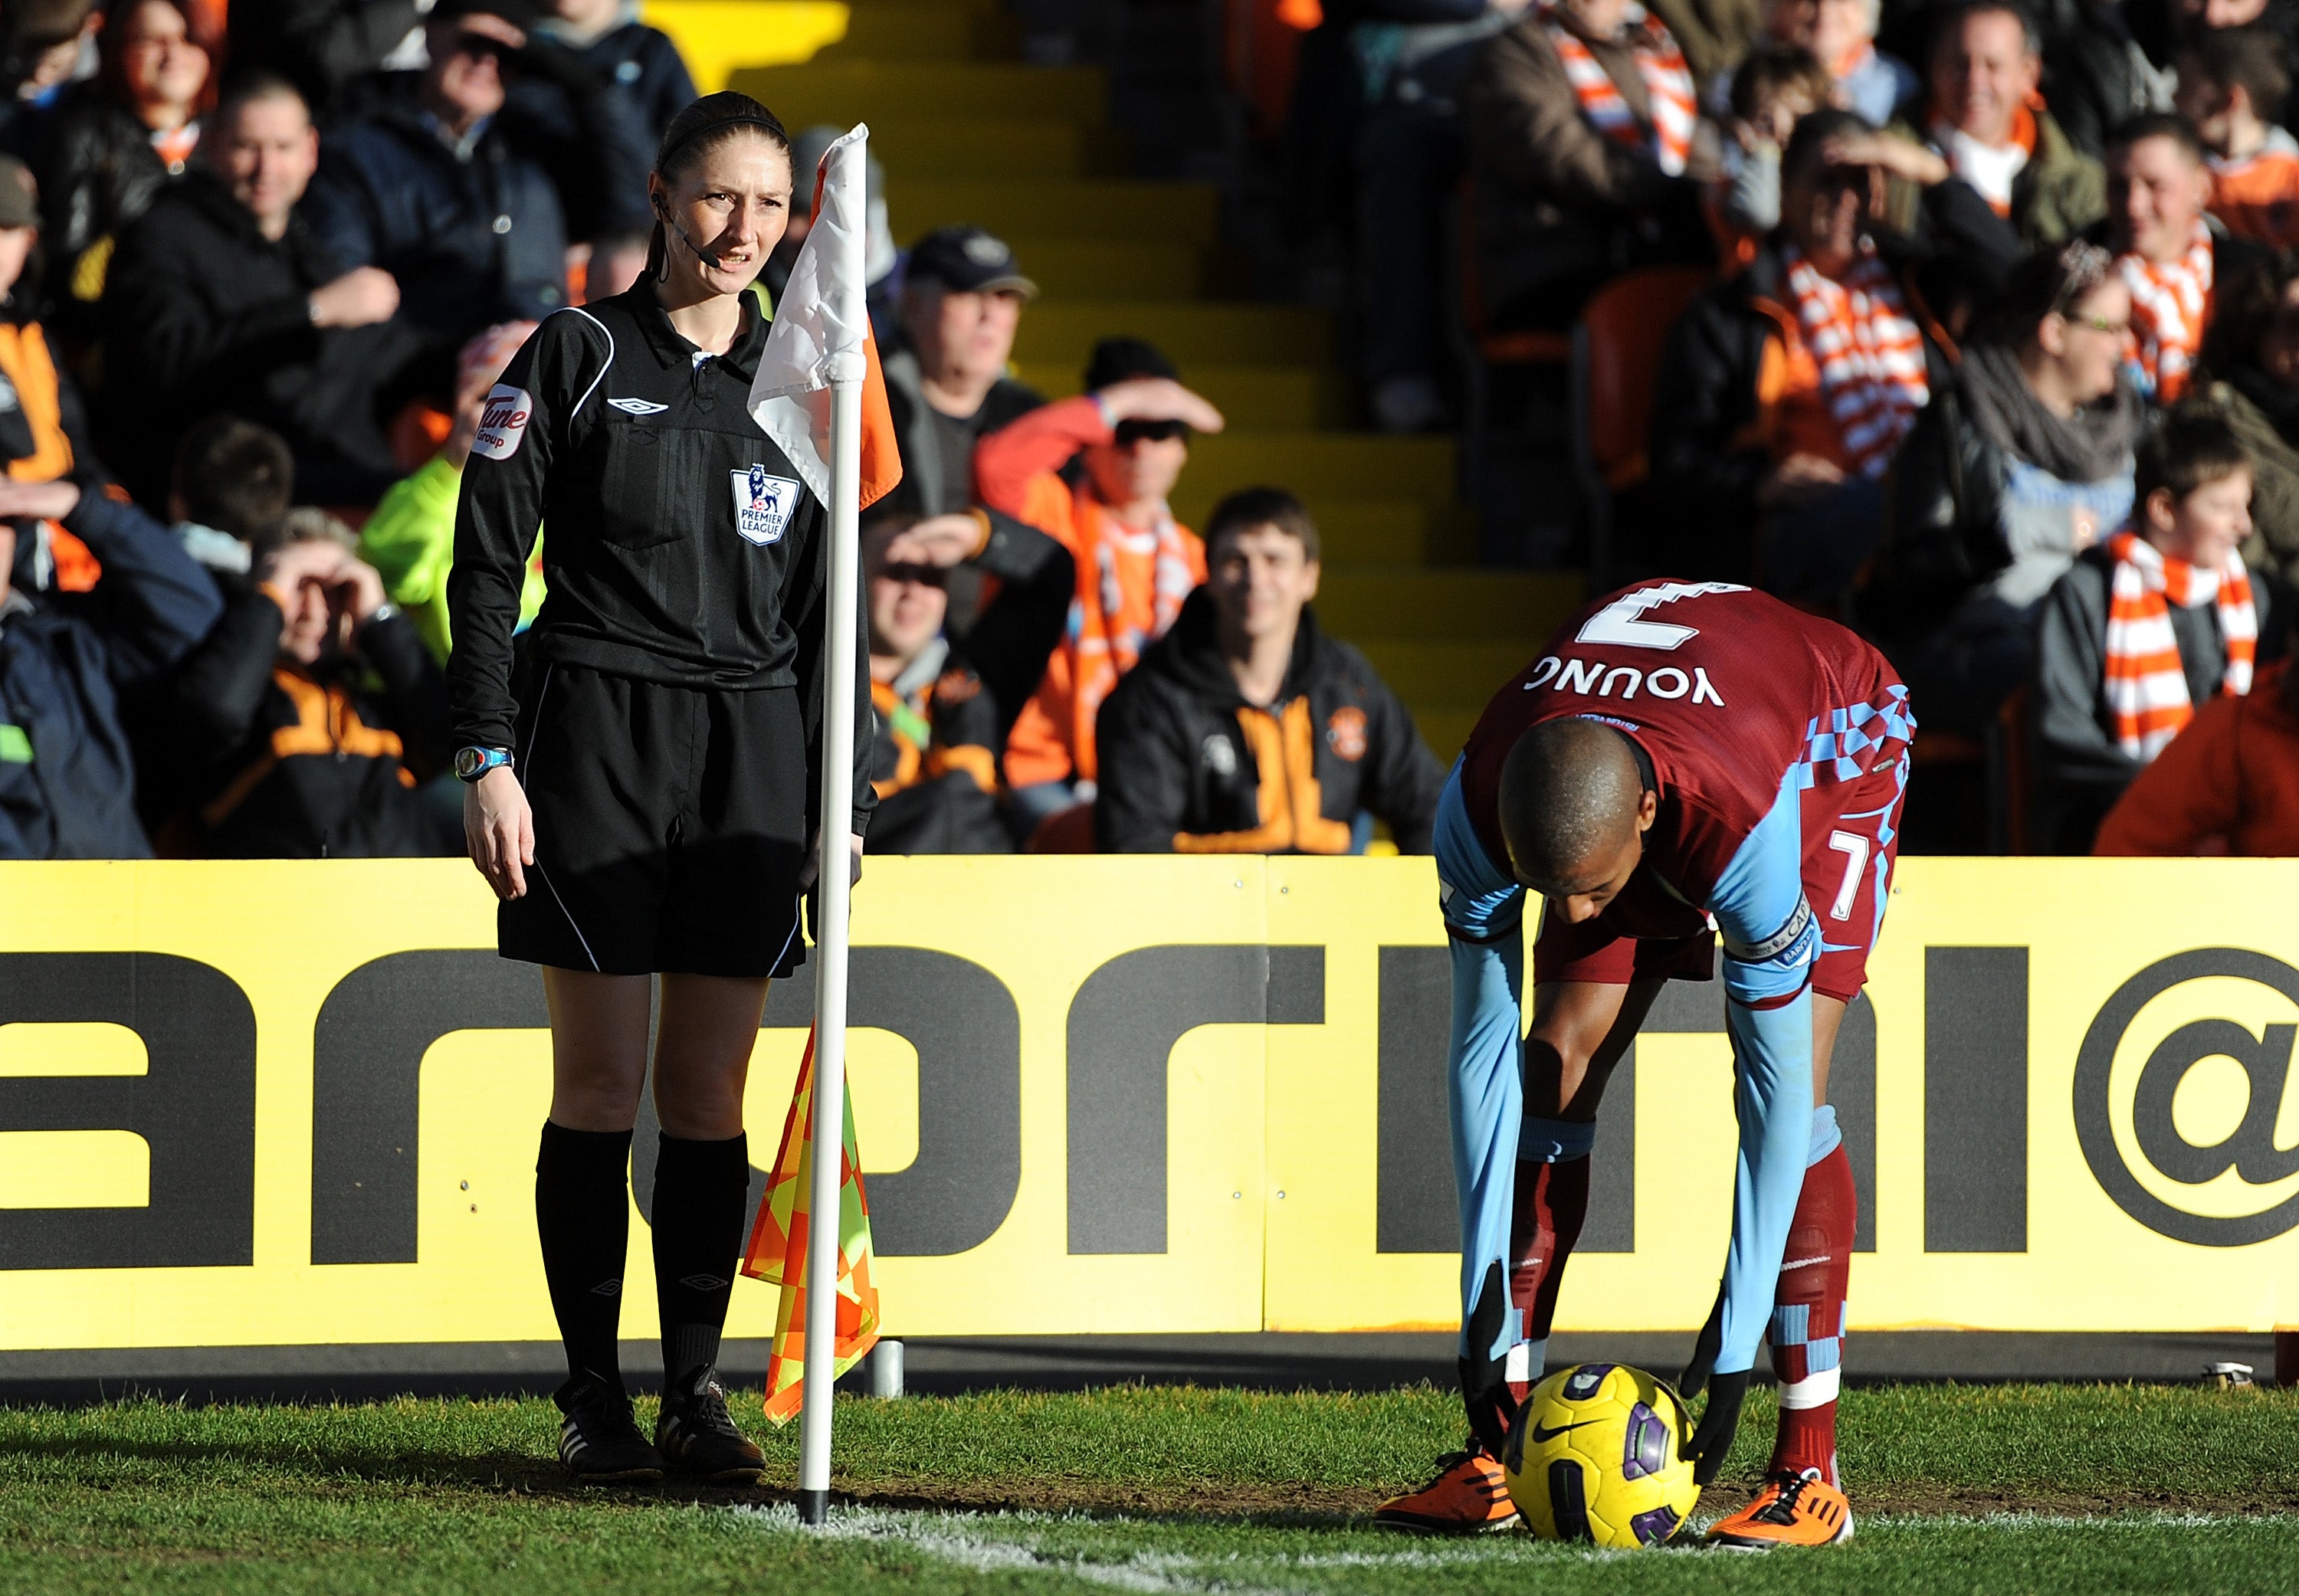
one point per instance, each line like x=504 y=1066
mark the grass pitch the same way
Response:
x=2058 y=1488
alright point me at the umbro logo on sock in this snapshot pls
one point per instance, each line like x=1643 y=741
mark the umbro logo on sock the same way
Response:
x=702 y=1283
x=608 y=1288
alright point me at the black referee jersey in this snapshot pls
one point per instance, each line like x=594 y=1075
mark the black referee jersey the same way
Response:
x=684 y=549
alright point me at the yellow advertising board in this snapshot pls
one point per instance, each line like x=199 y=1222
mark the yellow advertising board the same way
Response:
x=259 y=1104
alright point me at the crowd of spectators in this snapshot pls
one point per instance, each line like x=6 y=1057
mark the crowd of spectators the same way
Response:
x=259 y=278
x=1997 y=360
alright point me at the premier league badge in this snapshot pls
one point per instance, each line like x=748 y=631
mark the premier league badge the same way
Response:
x=763 y=505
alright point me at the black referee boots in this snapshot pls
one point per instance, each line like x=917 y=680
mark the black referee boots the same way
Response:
x=599 y=1441
x=697 y=1436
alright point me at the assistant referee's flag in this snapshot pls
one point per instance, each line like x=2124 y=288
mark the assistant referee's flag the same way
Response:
x=790 y=397
x=777 y=1251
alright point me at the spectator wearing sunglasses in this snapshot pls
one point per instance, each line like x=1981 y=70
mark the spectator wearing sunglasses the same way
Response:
x=934 y=762
x=469 y=204
x=1135 y=563
x=2020 y=463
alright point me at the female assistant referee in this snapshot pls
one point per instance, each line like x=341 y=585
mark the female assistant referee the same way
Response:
x=643 y=805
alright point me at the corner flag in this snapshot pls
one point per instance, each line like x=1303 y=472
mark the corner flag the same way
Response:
x=841 y=440
x=778 y=1250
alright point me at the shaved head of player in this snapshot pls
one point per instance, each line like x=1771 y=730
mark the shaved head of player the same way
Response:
x=1574 y=810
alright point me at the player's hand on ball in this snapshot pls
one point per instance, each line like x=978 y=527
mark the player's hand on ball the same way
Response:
x=1710 y=1342
x=498 y=831
x=1719 y=1421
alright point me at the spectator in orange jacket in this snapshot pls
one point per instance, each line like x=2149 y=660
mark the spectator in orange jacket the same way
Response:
x=2227 y=784
x=1135 y=563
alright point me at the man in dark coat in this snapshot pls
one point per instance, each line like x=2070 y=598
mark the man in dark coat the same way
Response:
x=221 y=299
x=438 y=178
x=1247 y=730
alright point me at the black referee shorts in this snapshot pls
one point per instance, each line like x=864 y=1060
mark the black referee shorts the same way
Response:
x=669 y=828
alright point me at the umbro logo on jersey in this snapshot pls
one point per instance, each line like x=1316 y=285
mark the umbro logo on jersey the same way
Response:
x=763 y=505
x=637 y=407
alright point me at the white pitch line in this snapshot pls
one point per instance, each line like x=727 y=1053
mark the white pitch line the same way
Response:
x=1010 y=1542
x=1144 y=1572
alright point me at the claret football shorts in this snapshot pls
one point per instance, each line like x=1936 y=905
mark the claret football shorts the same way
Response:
x=669 y=827
x=1850 y=845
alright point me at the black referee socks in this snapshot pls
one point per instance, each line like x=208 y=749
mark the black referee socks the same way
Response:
x=700 y=1192
x=582 y=1215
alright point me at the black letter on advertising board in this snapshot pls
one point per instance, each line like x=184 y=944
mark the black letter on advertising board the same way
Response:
x=367 y=1067
x=1122 y=1025
x=1975 y=1099
x=195 y=1107
x=376 y=1025
x=1415 y=1209
x=2249 y=1150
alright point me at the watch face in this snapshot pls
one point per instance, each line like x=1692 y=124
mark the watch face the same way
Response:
x=471 y=762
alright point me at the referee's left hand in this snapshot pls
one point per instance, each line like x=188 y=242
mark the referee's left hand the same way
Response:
x=812 y=870
x=498 y=831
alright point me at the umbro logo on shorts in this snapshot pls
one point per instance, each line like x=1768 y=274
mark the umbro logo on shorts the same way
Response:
x=608 y=1288
x=637 y=407
x=702 y=1283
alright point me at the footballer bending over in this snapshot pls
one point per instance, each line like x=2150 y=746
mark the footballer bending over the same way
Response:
x=1685 y=763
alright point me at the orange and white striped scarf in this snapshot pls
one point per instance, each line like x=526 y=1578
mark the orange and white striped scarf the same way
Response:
x=1869 y=352
x=2168 y=301
x=2145 y=689
x=1171 y=580
x=1668 y=86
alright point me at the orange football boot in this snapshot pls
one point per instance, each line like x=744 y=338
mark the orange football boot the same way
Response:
x=1790 y=1510
x=1468 y=1497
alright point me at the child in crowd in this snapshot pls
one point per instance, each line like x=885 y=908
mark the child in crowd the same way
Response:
x=2161 y=618
x=1777 y=86
x=2233 y=82
x=232 y=482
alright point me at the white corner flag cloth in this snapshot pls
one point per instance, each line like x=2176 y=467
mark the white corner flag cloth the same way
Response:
x=822 y=315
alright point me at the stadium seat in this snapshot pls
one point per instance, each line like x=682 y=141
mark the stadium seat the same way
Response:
x=1617 y=350
x=1483 y=348
x=1065 y=832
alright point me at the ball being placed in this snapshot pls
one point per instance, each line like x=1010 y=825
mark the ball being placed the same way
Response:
x=1594 y=1455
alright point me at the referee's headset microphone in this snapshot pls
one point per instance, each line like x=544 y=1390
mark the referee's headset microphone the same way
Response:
x=710 y=258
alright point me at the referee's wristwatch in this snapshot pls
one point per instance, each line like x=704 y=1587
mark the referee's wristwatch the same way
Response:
x=471 y=764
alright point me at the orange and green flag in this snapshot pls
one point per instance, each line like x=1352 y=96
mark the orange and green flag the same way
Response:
x=778 y=1248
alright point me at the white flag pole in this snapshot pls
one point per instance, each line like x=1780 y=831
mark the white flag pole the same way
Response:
x=847 y=369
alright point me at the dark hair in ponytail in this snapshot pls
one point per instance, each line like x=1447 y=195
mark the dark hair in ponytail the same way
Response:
x=694 y=132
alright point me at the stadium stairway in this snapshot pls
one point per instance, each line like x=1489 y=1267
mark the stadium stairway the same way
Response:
x=970 y=134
